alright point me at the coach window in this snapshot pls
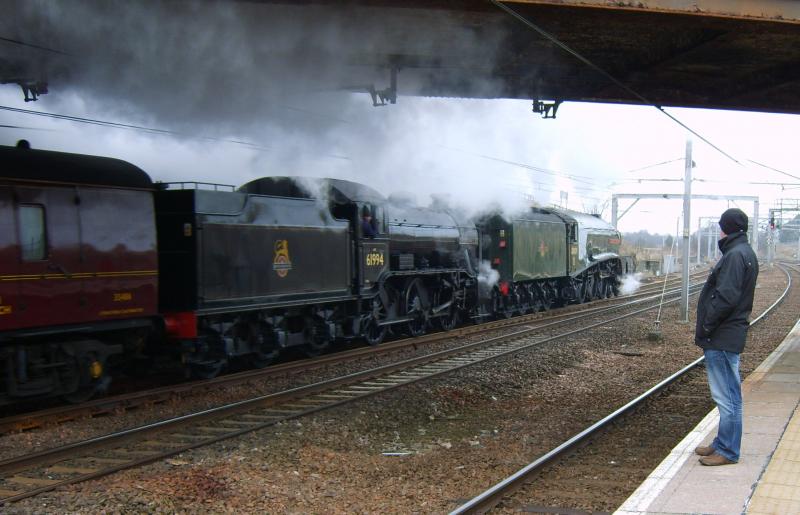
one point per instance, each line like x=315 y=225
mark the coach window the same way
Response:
x=31 y=232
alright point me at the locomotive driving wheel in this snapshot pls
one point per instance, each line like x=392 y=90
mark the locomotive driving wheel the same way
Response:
x=587 y=289
x=449 y=321
x=608 y=288
x=527 y=300
x=415 y=308
x=546 y=297
x=374 y=333
x=599 y=287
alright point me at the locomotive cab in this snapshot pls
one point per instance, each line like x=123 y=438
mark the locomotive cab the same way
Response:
x=372 y=249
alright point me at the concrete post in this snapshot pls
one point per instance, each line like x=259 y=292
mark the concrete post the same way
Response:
x=687 y=204
x=711 y=247
x=754 y=227
x=614 y=210
x=699 y=238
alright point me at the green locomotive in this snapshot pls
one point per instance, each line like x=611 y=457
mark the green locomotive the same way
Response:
x=546 y=258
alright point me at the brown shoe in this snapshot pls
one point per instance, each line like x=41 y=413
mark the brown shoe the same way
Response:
x=704 y=451
x=716 y=459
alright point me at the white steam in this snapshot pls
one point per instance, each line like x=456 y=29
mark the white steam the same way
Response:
x=248 y=68
x=291 y=80
x=487 y=276
x=630 y=283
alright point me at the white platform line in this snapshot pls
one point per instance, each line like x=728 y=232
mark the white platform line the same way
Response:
x=657 y=481
x=640 y=500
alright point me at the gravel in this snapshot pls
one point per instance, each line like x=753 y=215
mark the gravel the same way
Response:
x=418 y=449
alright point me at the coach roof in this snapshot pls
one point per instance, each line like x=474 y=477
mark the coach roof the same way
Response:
x=24 y=164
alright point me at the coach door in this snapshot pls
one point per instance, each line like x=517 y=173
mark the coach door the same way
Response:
x=9 y=262
x=50 y=286
x=118 y=251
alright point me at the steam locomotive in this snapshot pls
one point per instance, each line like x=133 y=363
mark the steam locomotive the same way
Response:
x=98 y=265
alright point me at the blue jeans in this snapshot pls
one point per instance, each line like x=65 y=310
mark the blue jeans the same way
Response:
x=726 y=389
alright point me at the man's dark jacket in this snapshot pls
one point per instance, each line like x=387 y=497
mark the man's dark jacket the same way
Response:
x=727 y=297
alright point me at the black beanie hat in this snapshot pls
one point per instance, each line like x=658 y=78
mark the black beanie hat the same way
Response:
x=732 y=221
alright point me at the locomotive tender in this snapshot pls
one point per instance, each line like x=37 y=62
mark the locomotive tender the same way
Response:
x=99 y=264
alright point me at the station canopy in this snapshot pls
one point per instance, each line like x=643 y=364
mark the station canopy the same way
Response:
x=729 y=54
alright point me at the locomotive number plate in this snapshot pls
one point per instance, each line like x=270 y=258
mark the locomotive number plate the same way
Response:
x=375 y=259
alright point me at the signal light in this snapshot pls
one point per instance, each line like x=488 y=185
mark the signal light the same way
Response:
x=502 y=244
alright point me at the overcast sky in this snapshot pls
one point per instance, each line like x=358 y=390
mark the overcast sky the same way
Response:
x=473 y=151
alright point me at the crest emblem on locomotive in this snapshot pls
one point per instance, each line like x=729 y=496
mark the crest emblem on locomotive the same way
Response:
x=281 y=263
x=543 y=248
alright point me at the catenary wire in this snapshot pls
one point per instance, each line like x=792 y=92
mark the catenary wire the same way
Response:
x=20 y=127
x=578 y=178
x=656 y=164
x=774 y=169
x=38 y=47
x=117 y=125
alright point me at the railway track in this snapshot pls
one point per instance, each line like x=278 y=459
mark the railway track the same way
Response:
x=503 y=490
x=28 y=475
x=119 y=403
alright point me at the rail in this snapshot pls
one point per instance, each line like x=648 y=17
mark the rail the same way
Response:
x=494 y=495
x=31 y=474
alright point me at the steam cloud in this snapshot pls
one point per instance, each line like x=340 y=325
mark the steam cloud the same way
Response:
x=631 y=283
x=290 y=79
x=487 y=276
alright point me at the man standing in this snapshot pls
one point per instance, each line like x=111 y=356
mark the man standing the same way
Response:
x=722 y=310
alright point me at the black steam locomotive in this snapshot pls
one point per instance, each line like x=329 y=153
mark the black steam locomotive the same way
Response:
x=218 y=275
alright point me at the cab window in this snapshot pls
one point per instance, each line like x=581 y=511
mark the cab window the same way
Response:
x=32 y=235
x=378 y=219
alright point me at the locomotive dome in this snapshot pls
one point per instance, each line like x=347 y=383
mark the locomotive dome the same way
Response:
x=27 y=164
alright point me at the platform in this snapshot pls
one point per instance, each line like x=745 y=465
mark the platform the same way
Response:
x=767 y=477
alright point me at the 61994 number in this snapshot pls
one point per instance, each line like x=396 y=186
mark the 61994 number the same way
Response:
x=375 y=259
